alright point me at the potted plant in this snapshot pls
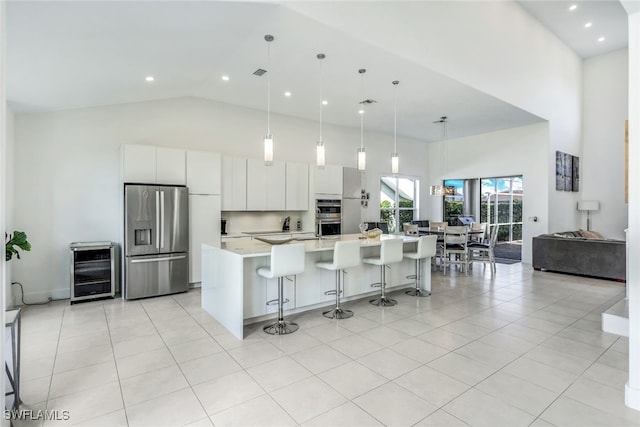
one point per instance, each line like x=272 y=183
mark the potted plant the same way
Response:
x=15 y=241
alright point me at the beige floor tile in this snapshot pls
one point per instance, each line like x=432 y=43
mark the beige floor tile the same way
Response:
x=559 y=360
x=80 y=379
x=307 y=399
x=89 y=404
x=431 y=385
x=152 y=384
x=255 y=354
x=114 y=419
x=278 y=373
x=294 y=343
x=260 y=411
x=355 y=346
x=479 y=409
x=445 y=339
x=384 y=335
x=419 y=350
x=328 y=332
x=541 y=374
x=321 y=358
x=137 y=345
x=174 y=409
x=441 y=418
x=462 y=368
x=225 y=392
x=81 y=358
x=209 y=367
x=487 y=354
x=388 y=363
x=603 y=398
x=347 y=414
x=195 y=349
x=410 y=327
x=144 y=362
x=393 y=405
x=518 y=392
x=570 y=413
x=352 y=379
x=35 y=391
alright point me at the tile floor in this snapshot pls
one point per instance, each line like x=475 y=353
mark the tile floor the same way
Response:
x=517 y=348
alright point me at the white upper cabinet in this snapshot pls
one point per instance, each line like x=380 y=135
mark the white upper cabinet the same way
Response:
x=203 y=172
x=265 y=186
x=328 y=181
x=170 y=166
x=146 y=164
x=234 y=184
x=297 y=187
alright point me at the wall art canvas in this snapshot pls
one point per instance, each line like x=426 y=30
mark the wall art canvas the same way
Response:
x=567 y=172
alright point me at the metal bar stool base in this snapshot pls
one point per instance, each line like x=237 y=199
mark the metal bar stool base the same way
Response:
x=418 y=293
x=383 y=301
x=281 y=327
x=338 y=313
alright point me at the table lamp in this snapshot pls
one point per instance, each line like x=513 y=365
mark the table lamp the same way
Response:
x=588 y=206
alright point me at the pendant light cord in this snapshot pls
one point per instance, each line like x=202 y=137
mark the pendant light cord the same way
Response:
x=321 y=57
x=362 y=71
x=268 y=87
x=395 y=115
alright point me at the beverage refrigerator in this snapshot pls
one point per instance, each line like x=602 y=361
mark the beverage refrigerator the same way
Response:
x=156 y=240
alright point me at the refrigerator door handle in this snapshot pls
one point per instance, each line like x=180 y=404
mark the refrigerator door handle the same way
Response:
x=158 y=229
x=162 y=218
x=168 y=258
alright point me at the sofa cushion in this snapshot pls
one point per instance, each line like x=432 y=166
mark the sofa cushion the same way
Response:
x=588 y=234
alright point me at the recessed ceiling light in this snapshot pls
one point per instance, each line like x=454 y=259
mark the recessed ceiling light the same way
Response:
x=225 y=78
x=325 y=102
x=573 y=7
x=588 y=24
x=360 y=111
x=149 y=78
x=601 y=39
x=287 y=94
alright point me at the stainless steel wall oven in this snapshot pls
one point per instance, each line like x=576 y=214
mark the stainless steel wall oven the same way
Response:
x=328 y=217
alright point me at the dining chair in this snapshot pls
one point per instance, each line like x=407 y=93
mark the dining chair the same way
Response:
x=484 y=252
x=478 y=232
x=439 y=228
x=455 y=244
x=410 y=229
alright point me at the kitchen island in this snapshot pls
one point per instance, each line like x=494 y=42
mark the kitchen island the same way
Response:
x=234 y=294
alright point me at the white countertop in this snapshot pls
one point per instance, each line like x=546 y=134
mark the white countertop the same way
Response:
x=255 y=248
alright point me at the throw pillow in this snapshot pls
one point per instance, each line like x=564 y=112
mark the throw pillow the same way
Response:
x=591 y=234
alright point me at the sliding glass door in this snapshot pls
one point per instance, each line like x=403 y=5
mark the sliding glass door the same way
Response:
x=501 y=204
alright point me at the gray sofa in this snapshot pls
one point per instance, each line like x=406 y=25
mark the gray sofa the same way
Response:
x=602 y=258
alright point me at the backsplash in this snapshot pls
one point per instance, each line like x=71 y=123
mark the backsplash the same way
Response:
x=238 y=222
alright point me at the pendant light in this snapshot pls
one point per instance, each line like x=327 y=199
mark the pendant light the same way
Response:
x=439 y=189
x=268 y=139
x=320 y=143
x=395 y=161
x=362 y=156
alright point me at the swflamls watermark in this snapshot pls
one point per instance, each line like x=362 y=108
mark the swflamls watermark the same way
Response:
x=37 y=415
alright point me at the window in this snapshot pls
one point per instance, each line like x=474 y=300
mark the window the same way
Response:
x=453 y=199
x=501 y=203
x=398 y=201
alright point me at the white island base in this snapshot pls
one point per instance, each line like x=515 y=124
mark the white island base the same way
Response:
x=235 y=295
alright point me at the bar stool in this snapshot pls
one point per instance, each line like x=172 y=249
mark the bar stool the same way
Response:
x=345 y=255
x=286 y=260
x=390 y=253
x=426 y=249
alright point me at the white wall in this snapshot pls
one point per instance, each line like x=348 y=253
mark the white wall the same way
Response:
x=67 y=189
x=517 y=151
x=7 y=175
x=602 y=165
x=493 y=46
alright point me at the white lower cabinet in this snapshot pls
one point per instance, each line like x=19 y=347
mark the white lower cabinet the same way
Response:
x=204 y=227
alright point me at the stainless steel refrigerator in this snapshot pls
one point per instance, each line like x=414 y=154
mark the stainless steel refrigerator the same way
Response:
x=156 y=240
